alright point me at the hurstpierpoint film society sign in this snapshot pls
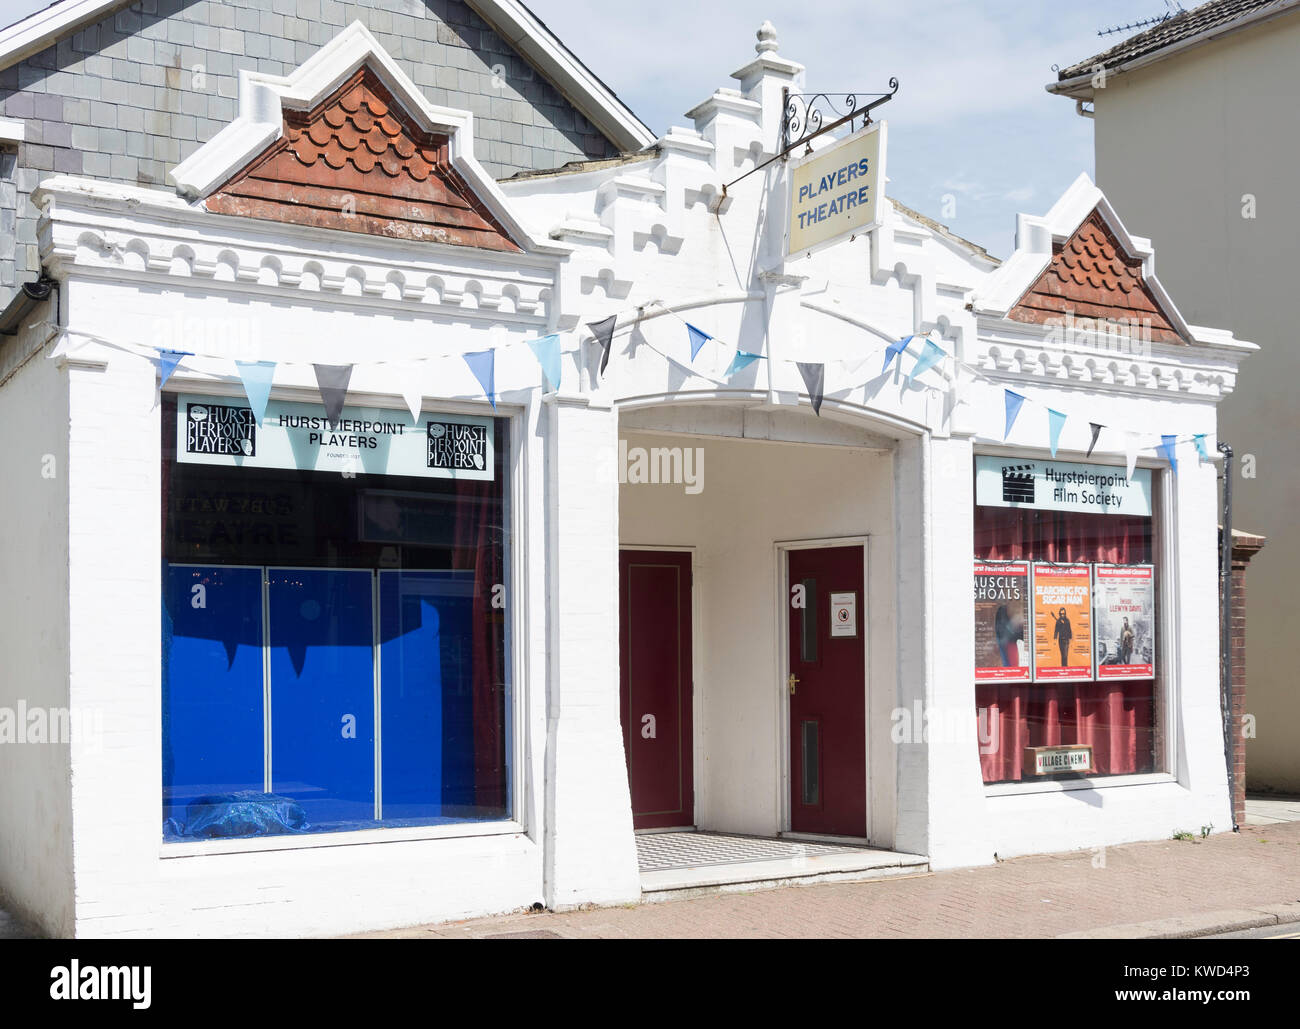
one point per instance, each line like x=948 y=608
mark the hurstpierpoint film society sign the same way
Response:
x=364 y=440
x=1059 y=486
x=834 y=192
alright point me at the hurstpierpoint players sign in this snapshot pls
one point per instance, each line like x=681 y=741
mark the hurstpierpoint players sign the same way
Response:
x=835 y=191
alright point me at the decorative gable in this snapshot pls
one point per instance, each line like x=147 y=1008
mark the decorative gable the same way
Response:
x=358 y=162
x=1091 y=276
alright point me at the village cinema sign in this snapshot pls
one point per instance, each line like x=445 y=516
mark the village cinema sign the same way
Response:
x=835 y=192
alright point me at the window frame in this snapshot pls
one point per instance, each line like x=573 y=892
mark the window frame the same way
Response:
x=516 y=504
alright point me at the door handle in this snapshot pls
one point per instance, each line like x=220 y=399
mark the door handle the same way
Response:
x=793 y=683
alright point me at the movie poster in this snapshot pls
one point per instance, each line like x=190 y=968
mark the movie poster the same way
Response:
x=1002 y=621
x=1062 y=623
x=1125 y=614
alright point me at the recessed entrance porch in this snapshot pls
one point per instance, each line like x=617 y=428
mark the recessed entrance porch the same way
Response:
x=758 y=637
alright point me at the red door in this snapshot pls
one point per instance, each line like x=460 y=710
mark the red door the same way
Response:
x=826 y=686
x=655 y=685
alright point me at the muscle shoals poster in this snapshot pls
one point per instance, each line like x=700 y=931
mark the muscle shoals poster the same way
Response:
x=1002 y=621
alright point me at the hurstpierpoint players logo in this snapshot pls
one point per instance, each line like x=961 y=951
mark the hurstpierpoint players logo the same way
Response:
x=457 y=445
x=220 y=429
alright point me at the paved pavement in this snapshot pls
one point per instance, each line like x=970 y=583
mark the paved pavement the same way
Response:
x=1222 y=883
x=1270 y=810
x=11 y=928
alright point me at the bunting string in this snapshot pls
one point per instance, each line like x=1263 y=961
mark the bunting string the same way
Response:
x=548 y=352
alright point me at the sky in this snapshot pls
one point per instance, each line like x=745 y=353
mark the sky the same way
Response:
x=973 y=136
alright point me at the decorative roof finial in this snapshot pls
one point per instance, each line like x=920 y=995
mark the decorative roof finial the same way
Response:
x=766 y=39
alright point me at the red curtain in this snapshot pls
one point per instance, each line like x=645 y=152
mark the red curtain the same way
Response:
x=1116 y=718
x=479 y=543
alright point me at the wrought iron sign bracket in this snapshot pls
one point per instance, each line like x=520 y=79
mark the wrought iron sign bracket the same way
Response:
x=803 y=119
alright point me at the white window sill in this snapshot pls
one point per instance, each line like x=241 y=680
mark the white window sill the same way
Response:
x=357 y=838
x=1014 y=789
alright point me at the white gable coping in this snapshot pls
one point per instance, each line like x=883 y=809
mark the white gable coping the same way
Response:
x=1035 y=237
x=511 y=20
x=263 y=99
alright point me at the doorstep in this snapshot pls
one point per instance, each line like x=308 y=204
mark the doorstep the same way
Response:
x=676 y=865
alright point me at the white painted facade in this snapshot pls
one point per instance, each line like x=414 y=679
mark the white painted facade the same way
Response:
x=80 y=850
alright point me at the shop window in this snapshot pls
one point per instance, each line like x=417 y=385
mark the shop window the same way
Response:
x=1067 y=647
x=335 y=647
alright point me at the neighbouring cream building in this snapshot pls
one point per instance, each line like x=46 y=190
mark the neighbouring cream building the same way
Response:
x=411 y=543
x=1196 y=114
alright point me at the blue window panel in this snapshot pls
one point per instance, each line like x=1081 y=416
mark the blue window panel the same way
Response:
x=322 y=692
x=426 y=676
x=212 y=684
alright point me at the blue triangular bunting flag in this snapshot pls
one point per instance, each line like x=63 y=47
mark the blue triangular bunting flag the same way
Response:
x=1055 y=423
x=698 y=338
x=1014 y=400
x=256 y=377
x=742 y=360
x=547 y=352
x=167 y=360
x=1167 y=446
x=1201 y=452
x=893 y=350
x=931 y=354
x=483 y=364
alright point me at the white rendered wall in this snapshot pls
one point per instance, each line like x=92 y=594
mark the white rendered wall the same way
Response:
x=756 y=494
x=35 y=791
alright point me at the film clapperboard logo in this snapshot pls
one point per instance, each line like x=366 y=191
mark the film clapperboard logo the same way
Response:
x=220 y=429
x=1018 y=484
x=457 y=446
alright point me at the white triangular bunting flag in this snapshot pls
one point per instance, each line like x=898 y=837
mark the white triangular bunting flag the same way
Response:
x=411 y=387
x=1131 y=448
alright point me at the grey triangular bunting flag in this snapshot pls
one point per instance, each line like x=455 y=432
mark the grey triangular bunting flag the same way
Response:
x=814 y=377
x=332 y=380
x=604 y=333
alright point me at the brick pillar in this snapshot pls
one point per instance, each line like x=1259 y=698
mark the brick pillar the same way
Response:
x=1244 y=547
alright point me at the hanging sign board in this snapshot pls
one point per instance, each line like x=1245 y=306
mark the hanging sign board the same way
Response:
x=364 y=441
x=1001 y=621
x=1124 y=612
x=1062 y=622
x=1060 y=486
x=835 y=191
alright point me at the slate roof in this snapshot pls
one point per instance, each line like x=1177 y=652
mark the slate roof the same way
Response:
x=1182 y=26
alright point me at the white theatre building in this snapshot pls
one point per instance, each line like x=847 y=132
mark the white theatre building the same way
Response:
x=435 y=655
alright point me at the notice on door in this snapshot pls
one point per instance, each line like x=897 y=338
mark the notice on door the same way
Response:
x=363 y=441
x=1062 y=623
x=844 y=614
